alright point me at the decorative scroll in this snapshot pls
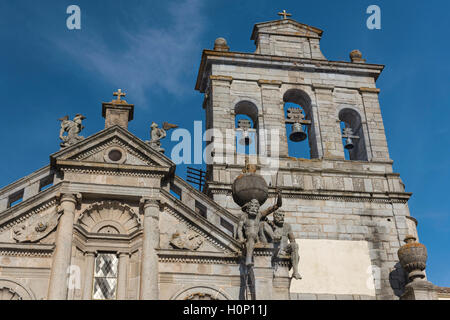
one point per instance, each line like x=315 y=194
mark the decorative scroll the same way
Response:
x=37 y=227
x=186 y=240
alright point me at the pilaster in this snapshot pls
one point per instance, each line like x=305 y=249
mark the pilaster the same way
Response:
x=221 y=113
x=330 y=130
x=376 y=132
x=122 y=277
x=89 y=258
x=273 y=117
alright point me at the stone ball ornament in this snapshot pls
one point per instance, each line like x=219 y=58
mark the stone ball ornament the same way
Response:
x=220 y=44
x=249 y=186
x=413 y=258
x=356 y=54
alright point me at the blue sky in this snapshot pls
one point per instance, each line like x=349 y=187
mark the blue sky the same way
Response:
x=152 y=50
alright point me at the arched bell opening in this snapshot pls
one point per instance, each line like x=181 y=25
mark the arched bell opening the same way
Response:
x=246 y=128
x=299 y=124
x=352 y=135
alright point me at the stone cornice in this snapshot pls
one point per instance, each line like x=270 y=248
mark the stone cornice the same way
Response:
x=324 y=194
x=174 y=256
x=221 y=78
x=90 y=237
x=274 y=83
x=369 y=90
x=314 y=65
x=111 y=169
x=133 y=193
x=94 y=242
x=26 y=249
x=347 y=173
x=288 y=34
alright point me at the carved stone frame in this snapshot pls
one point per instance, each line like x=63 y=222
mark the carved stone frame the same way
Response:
x=23 y=291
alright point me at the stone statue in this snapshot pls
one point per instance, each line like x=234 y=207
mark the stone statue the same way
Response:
x=249 y=225
x=73 y=128
x=279 y=232
x=156 y=134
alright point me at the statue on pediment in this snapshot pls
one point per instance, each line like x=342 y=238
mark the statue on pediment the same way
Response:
x=157 y=134
x=72 y=128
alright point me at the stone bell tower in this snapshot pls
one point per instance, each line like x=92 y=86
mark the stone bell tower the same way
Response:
x=338 y=205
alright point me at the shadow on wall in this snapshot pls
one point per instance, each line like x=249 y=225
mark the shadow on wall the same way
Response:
x=398 y=280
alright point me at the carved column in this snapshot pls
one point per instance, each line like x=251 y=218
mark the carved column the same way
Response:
x=63 y=250
x=149 y=264
x=122 y=277
x=88 y=275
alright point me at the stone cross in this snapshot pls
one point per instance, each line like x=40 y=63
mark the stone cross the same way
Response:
x=348 y=133
x=284 y=14
x=244 y=124
x=119 y=93
x=295 y=115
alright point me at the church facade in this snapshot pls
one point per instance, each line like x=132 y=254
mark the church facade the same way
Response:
x=108 y=218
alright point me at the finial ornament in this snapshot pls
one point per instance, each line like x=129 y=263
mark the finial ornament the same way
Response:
x=284 y=14
x=413 y=258
x=119 y=94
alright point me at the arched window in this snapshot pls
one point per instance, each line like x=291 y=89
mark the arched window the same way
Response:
x=117 y=223
x=352 y=135
x=299 y=124
x=246 y=127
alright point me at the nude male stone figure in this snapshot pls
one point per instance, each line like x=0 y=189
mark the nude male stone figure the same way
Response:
x=249 y=224
x=279 y=232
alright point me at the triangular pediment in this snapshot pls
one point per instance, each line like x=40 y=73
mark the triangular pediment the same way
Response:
x=113 y=145
x=286 y=26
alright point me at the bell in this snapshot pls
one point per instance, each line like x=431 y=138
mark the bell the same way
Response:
x=245 y=139
x=349 y=144
x=297 y=133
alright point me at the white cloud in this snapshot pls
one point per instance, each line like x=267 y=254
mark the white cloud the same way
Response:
x=152 y=57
